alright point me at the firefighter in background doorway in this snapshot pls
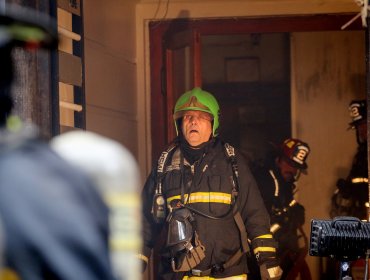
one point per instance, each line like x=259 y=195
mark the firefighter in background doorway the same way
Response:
x=203 y=195
x=54 y=221
x=351 y=196
x=276 y=179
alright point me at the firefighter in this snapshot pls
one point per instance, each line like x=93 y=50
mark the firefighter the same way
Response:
x=116 y=174
x=202 y=194
x=351 y=196
x=276 y=179
x=55 y=223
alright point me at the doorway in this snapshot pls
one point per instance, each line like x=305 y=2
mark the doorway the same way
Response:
x=320 y=90
x=181 y=58
x=249 y=74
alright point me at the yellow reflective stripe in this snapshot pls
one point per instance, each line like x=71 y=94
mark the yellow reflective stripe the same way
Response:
x=204 y=197
x=264 y=236
x=237 y=277
x=359 y=180
x=264 y=249
x=142 y=257
x=293 y=202
x=8 y=274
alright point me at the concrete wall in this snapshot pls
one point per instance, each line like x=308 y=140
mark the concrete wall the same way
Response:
x=110 y=61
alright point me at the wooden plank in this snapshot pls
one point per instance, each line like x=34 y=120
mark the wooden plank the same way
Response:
x=70 y=69
x=72 y=6
x=65 y=128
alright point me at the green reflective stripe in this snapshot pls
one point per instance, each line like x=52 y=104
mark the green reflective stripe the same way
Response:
x=27 y=33
x=14 y=123
x=204 y=197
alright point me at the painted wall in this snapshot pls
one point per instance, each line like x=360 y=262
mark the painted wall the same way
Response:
x=110 y=61
x=328 y=71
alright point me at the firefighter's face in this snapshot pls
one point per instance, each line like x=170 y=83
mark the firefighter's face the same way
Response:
x=196 y=127
x=289 y=173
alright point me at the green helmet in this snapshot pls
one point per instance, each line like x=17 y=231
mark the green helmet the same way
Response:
x=197 y=100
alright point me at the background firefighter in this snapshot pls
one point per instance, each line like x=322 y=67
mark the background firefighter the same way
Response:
x=195 y=182
x=351 y=196
x=54 y=221
x=276 y=179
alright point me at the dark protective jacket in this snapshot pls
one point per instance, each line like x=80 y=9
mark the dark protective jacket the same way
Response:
x=351 y=196
x=284 y=211
x=208 y=184
x=359 y=164
x=278 y=196
x=54 y=221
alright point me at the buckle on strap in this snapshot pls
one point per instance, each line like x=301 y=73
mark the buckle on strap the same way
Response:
x=217 y=268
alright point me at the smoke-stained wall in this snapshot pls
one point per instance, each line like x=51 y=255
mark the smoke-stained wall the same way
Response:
x=328 y=71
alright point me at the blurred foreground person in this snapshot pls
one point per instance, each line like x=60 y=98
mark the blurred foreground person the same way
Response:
x=54 y=221
x=114 y=170
x=203 y=195
x=276 y=180
x=351 y=196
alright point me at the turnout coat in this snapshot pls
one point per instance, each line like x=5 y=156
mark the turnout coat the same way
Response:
x=207 y=187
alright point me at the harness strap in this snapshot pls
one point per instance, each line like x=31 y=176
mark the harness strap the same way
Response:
x=242 y=229
x=218 y=267
x=230 y=152
x=160 y=168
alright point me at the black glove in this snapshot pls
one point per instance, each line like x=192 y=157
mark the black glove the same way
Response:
x=264 y=248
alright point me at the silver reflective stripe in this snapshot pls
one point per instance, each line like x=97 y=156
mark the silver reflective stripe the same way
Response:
x=276 y=183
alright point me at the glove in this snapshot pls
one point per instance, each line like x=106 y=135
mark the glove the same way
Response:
x=270 y=270
x=264 y=248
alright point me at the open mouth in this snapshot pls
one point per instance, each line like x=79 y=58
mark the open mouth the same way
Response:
x=194 y=131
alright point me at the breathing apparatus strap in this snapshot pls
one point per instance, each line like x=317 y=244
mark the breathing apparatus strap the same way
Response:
x=230 y=151
x=159 y=204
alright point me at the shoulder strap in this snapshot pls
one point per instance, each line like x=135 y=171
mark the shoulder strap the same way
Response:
x=159 y=204
x=230 y=151
x=160 y=167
